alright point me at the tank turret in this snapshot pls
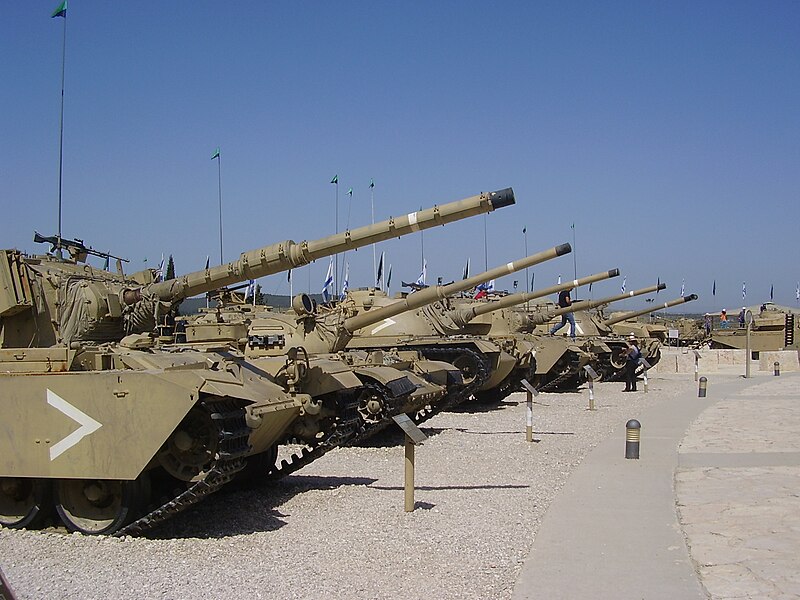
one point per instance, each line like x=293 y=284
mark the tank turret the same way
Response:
x=73 y=302
x=461 y=317
x=639 y=313
x=545 y=316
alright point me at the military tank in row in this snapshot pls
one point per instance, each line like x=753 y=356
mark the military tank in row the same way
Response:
x=113 y=424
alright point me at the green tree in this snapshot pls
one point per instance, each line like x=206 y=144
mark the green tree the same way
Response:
x=170 y=268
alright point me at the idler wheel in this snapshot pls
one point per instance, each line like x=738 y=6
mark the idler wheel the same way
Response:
x=24 y=502
x=468 y=365
x=97 y=506
x=618 y=358
x=371 y=406
x=191 y=447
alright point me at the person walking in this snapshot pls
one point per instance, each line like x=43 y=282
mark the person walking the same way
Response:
x=632 y=356
x=564 y=301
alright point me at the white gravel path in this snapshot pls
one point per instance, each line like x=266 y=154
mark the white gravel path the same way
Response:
x=337 y=528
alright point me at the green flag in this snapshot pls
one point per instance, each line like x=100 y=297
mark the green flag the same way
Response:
x=216 y=153
x=335 y=179
x=61 y=11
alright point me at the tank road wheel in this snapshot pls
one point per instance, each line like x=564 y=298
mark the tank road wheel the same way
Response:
x=618 y=358
x=258 y=467
x=371 y=405
x=97 y=506
x=191 y=447
x=24 y=502
x=468 y=365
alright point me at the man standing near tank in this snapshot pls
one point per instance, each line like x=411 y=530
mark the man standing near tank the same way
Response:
x=564 y=300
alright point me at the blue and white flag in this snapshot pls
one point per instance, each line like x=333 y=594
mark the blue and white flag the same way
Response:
x=771 y=291
x=380 y=272
x=250 y=292
x=423 y=276
x=744 y=290
x=683 y=286
x=624 y=281
x=533 y=278
x=160 y=270
x=797 y=292
x=345 y=285
x=465 y=275
x=389 y=279
x=559 y=280
x=327 y=286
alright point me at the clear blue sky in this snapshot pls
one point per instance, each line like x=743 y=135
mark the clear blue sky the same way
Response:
x=668 y=132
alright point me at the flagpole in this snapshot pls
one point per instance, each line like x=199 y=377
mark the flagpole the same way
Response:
x=485 y=247
x=527 y=278
x=346 y=227
x=218 y=156
x=372 y=204
x=422 y=245
x=336 y=271
x=574 y=255
x=61 y=129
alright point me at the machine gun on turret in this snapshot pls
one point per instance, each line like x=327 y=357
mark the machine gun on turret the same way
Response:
x=78 y=251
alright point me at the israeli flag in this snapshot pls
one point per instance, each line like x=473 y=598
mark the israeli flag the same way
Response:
x=345 y=285
x=160 y=270
x=424 y=275
x=744 y=291
x=624 y=281
x=328 y=285
x=250 y=292
x=683 y=286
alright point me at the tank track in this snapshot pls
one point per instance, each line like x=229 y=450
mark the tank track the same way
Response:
x=348 y=428
x=453 y=399
x=571 y=371
x=233 y=435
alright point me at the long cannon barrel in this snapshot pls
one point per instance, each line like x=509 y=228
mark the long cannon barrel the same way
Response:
x=289 y=255
x=587 y=304
x=431 y=294
x=639 y=313
x=462 y=316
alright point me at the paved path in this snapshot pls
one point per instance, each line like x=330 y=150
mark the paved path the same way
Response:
x=731 y=491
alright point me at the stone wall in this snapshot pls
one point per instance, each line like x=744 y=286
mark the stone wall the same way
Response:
x=681 y=360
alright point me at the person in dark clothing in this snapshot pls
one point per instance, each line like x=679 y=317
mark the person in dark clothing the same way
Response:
x=564 y=301
x=632 y=356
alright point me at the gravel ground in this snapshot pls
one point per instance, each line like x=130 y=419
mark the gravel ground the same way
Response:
x=337 y=528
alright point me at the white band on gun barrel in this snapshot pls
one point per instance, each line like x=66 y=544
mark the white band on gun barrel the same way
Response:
x=510 y=267
x=412 y=221
x=575 y=282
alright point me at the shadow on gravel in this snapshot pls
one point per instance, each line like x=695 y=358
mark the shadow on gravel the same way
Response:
x=393 y=436
x=243 y=511
x=394 y=488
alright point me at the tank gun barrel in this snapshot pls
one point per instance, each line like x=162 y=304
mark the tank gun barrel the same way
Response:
x=587 y=304
x=465 y=315
x=289 y=255
x=639 y=313
x=431 y=294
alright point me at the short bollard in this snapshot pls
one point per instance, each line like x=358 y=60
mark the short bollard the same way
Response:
x=591 y=375
x=777 y=367
x=632 y=433
x=532 y=391
x=701 y=392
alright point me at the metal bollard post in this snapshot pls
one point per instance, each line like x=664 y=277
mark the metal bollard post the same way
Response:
x=532 y=391
x=632 y=434
x=591 y=375
x=644 y=378
x=409 y=478
x=701 y=392
x=777 y=367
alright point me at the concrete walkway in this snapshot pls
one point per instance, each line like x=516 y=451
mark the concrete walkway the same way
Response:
x=717 y=517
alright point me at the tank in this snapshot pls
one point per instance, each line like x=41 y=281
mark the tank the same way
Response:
x=774 y=328
x=595 y=337
x=105 y=412
x=625 y=323
x=557 y=364
x=427 y=327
